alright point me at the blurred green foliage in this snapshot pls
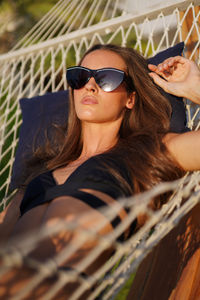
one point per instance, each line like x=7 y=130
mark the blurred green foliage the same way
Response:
x=122 y=295
x=24 y=14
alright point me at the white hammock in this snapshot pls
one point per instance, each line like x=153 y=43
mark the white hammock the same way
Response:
x=32 y=68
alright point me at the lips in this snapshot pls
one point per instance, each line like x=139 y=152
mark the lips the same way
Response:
x=89 y=100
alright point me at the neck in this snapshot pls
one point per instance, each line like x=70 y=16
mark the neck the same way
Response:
x=98 y=138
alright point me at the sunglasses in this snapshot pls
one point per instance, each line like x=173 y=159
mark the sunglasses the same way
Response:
x=108 y=79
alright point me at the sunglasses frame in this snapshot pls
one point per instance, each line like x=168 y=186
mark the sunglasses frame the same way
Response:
x=94 y=73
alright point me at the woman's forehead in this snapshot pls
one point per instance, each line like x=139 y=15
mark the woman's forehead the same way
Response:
x=103 y=59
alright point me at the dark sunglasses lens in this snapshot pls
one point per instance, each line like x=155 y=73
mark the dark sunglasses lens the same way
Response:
x=109 y=80
x=77 y=78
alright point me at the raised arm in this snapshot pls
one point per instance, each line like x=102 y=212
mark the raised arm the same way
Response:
x=181 y=77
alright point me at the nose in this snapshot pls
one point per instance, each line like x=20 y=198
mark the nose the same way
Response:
x=91 y=85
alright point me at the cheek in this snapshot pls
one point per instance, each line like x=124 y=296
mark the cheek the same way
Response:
x=77 y=96
x=115 y=103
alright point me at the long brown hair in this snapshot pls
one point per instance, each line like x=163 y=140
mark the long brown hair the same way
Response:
x=141 y=132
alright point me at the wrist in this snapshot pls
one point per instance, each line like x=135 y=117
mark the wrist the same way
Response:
x=193 y=93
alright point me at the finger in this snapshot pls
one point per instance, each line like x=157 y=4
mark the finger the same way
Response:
x=167 y=65
x=179 y=59
x=159 y=81
x=172 y=62
x=163 y=73
x=163 y=69
x=168 y=87
x=157 y=69
x=152 y=67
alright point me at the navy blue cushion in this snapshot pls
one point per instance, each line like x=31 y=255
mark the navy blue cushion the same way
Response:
x=40 y=112
x=169 y=52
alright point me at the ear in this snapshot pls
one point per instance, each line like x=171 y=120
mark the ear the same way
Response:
x=130 y=101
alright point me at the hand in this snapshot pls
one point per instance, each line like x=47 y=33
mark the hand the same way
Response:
x=181 y=77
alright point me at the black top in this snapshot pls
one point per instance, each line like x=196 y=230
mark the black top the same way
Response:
x=92 y=174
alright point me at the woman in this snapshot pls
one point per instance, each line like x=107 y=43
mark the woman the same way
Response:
x=117 y=144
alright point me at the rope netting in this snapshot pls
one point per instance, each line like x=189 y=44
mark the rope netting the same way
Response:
x=38 y=65
x=108 y=279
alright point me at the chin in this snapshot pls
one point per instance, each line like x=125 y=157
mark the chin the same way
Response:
x=87 y=116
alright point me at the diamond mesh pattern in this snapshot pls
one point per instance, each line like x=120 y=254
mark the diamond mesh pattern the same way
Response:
x=38 y=64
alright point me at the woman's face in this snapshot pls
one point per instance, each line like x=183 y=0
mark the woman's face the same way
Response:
x=92 y=104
